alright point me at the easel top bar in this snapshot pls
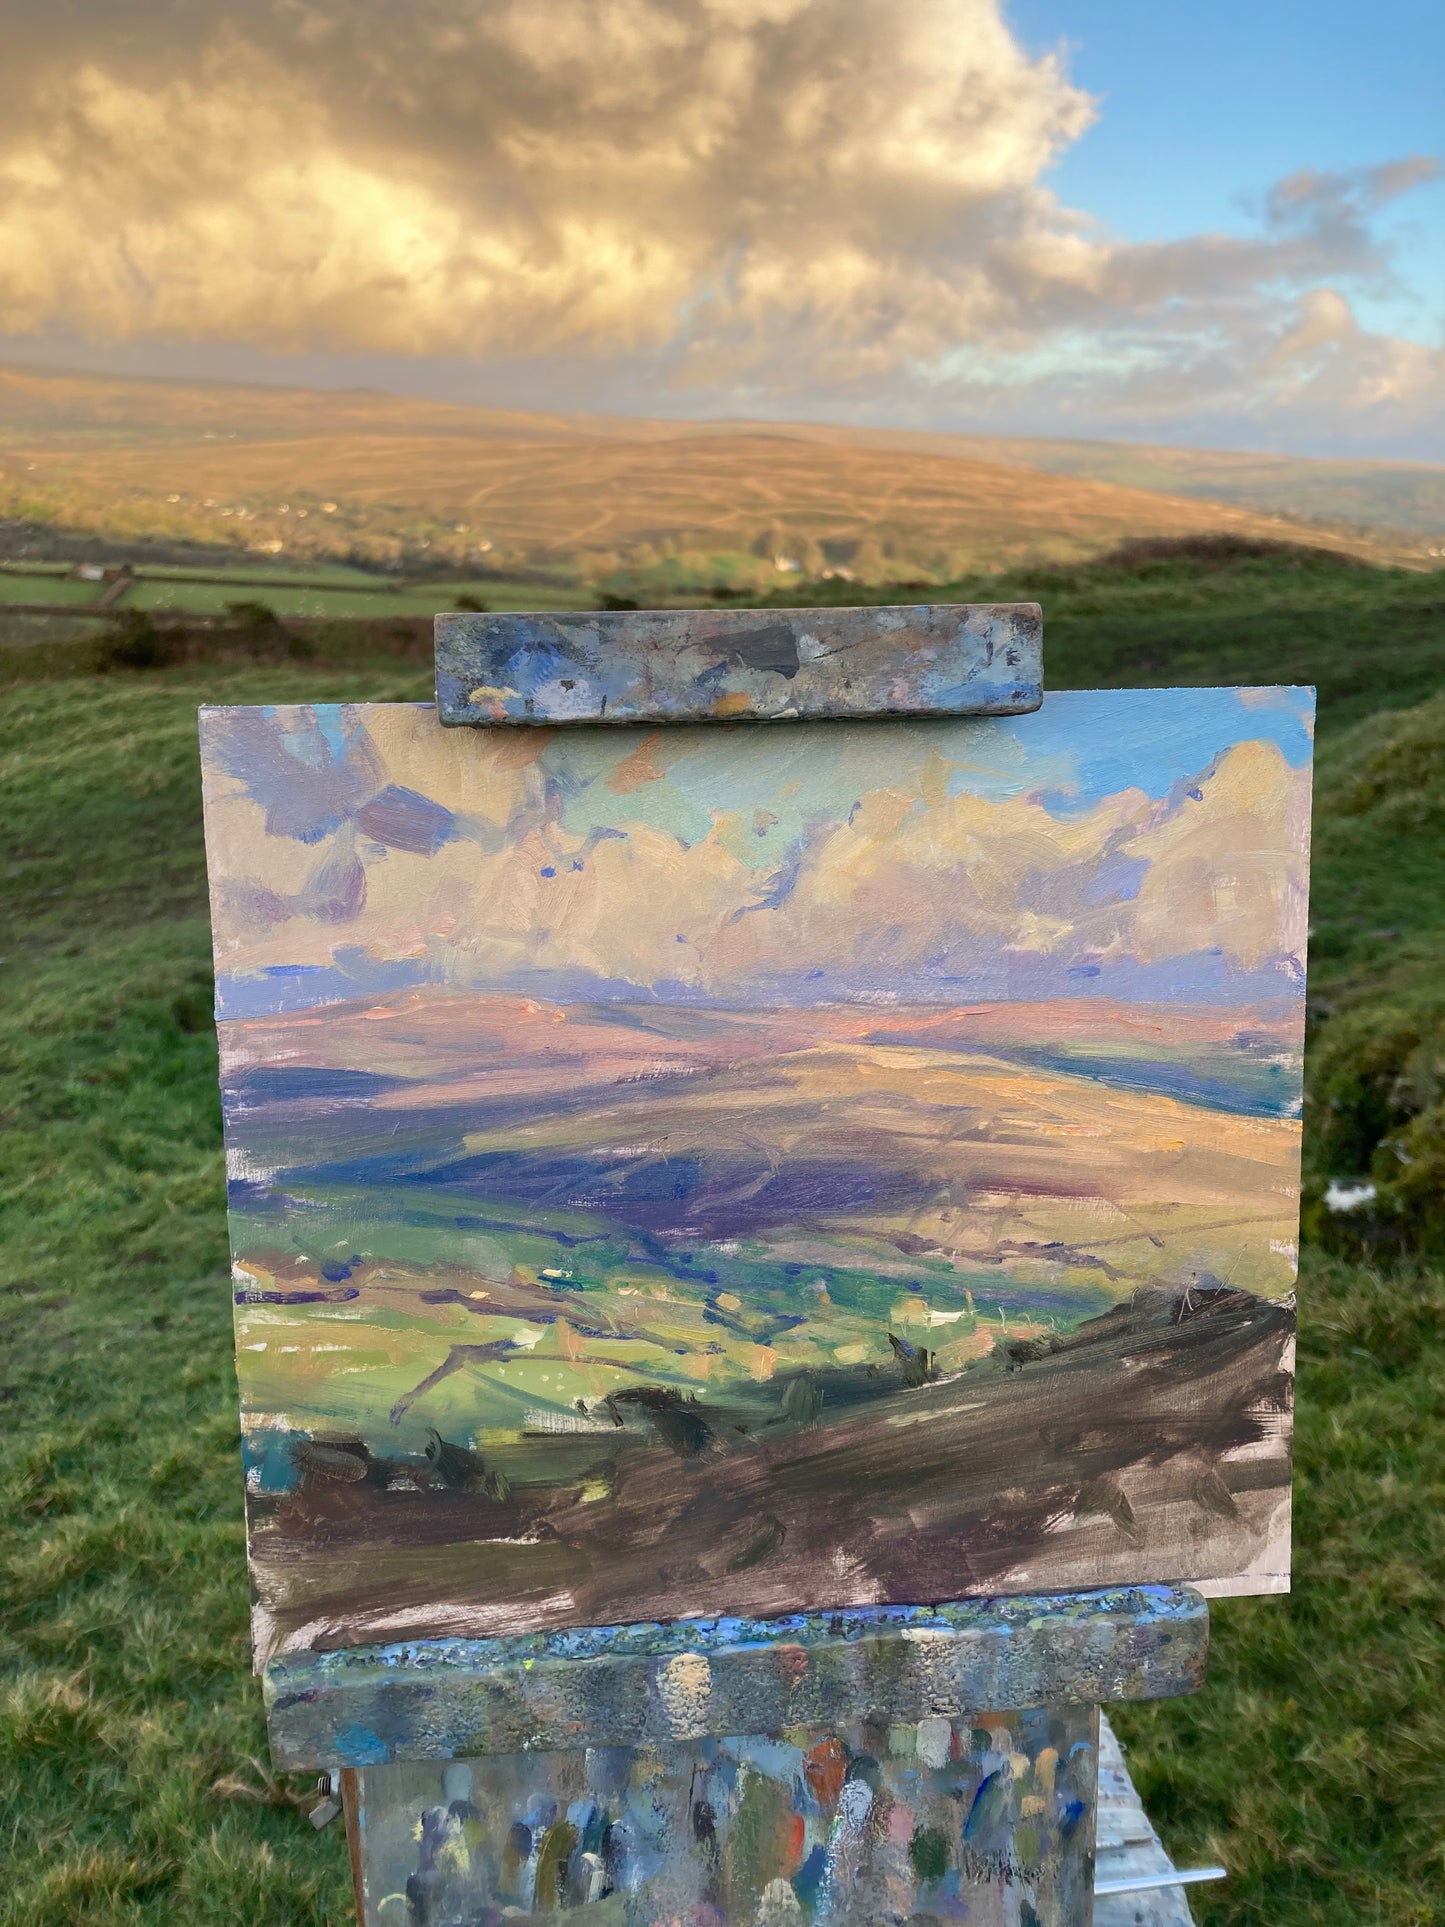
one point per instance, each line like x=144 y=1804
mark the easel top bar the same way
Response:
x=739 y=665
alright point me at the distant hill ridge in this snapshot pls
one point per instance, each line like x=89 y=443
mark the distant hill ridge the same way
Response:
x=384 y=478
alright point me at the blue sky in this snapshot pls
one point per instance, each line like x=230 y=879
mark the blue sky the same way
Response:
x=1201 y=107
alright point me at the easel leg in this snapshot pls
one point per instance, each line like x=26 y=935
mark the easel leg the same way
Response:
x=351 y=1813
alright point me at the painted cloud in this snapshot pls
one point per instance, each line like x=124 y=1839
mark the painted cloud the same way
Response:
x=990 y=857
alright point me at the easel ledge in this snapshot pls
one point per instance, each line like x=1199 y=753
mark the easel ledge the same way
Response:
x=687 y=1678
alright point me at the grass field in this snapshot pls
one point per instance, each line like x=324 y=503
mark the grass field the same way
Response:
x=337 y=593
x=130 y=1731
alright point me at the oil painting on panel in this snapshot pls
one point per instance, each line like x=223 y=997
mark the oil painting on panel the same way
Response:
x=742 y=1168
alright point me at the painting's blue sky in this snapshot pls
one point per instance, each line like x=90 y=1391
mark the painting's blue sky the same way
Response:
x=1167 y=742
x=1081 y=747
x=1216 y=224
x=1144 y=845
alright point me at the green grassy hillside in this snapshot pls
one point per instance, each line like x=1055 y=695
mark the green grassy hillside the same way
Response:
x=130 y=1730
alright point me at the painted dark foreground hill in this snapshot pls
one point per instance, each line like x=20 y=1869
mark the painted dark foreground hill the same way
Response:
x=1153 y=1440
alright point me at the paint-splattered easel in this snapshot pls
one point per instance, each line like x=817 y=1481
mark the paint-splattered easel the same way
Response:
x=875 y=1764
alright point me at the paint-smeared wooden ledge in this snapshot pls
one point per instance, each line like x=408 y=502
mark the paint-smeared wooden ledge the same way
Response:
x=693 y=1678
x=739 y=665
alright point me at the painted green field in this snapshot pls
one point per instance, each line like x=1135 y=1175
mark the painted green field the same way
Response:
x=130 y=1730
x=731 y=1318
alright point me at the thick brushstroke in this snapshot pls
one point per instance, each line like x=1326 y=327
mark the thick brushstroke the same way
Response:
x=1159 y=1428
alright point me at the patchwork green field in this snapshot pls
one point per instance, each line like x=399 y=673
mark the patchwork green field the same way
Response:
x=130 y=1730
x=336 y=593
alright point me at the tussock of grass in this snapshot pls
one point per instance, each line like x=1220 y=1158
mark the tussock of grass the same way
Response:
x=129 y=1725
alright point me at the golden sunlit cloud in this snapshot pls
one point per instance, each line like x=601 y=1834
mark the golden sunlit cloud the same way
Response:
x=502 y=179
x=753 y=199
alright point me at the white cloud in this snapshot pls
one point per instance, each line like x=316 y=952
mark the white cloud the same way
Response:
x=763 y=203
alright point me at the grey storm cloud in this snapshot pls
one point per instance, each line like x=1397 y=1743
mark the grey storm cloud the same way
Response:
x=772 y=201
